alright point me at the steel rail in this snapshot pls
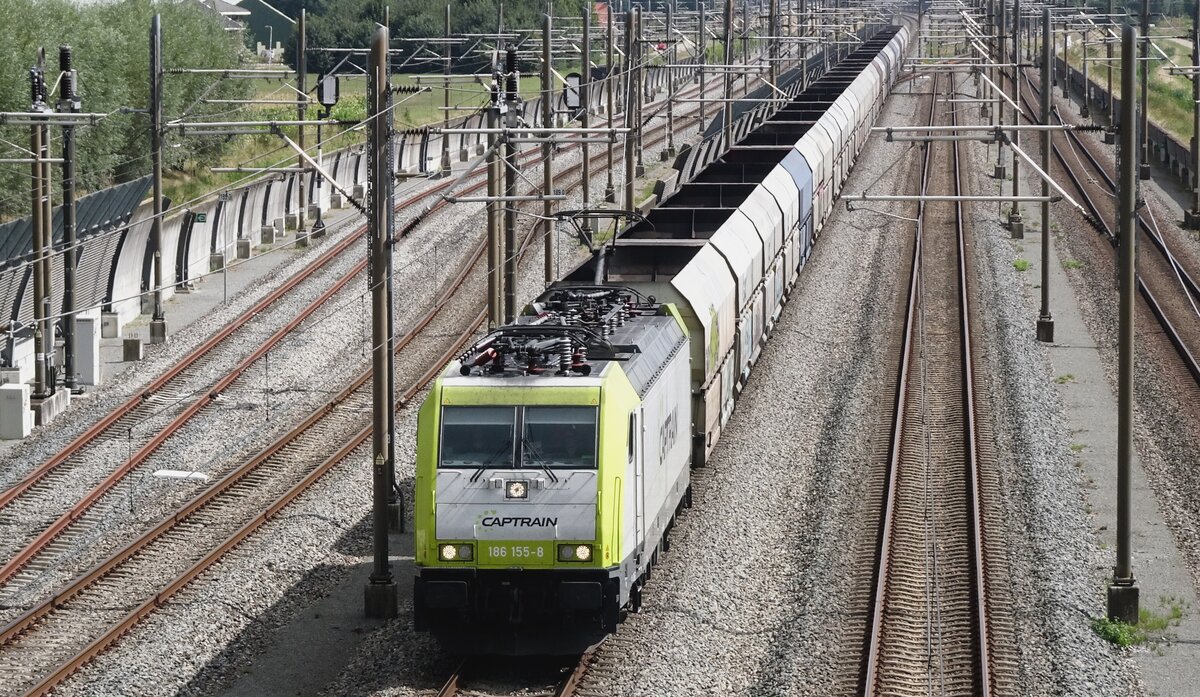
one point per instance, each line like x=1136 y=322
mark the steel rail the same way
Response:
x=565 y=687
x=570 y=682
x=36 y=614
x=974 y=529
x=871 y=671
x=43 y=540
x=451 y=686
x=974 y=483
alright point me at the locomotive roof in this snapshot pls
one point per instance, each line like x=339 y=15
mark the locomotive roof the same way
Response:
x=640 y=335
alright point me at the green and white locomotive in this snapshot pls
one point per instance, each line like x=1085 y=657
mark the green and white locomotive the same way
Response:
x=552 y=459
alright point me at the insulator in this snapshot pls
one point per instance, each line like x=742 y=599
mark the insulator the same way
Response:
x=35 y=85
x=485 y=356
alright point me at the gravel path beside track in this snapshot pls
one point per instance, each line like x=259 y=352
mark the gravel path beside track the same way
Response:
x=1167 y=411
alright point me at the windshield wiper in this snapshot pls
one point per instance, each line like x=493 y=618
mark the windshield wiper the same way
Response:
x=488 y=463
x=527 y=446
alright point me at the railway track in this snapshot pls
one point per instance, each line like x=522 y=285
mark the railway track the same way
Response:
x=39 y=524
x=50 y=641
x=562 y=677
x=44 y=527
x=1165 y=281
x=929 y=626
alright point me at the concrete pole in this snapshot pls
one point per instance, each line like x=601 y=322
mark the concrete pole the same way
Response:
x=1066 y=73
x=158 y=323
x=987 y=110
x=1085 y=110
x=727 y=124
x=511 y=114
x=745 y=39
x=610 y=190
x=548 y=147
x=495 y=236
x=670 y=152
x=1000 y=172
x=47 y=235
x=68 y=102
x=1016 y=226
x=631 y=115
x=803 y=45
x=1045 y=322
x=829 y=49
x=773 y=41
x=1123 y=590
x=37 y=85
x=445 y=166
x=301 y=115
x=1193 y=217
x=702 y=48
x=380 y=592
x=585 y=104
x=395 y=504
x=637 y=65
x=1110 y=135
x=1144 y=64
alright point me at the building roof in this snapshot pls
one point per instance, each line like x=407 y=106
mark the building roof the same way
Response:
x=228 y=12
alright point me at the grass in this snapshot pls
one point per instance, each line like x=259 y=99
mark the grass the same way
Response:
x=1118 y=632
x=1170 y=95
x=1072 y=264
x=1021 y=265
x=1064 y=379
x=1151 y=624
x=646 y=192
x=1077 y=448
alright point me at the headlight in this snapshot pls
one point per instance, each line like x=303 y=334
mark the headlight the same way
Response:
x=456 y=552
x=574 y=552
x=517 y=489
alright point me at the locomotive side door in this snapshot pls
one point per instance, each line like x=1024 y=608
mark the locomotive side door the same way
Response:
x=637 y=438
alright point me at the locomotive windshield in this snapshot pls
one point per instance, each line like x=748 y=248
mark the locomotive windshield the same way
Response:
x=553 y=437
x=478 y=436
x=559 y=437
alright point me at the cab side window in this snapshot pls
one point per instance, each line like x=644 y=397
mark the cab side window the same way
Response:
x=632 y=435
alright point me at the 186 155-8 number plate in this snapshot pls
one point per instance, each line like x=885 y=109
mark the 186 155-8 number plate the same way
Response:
x=523 y=553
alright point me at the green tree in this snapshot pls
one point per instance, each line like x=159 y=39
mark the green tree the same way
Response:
x=111 y=54
x=350 y=23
